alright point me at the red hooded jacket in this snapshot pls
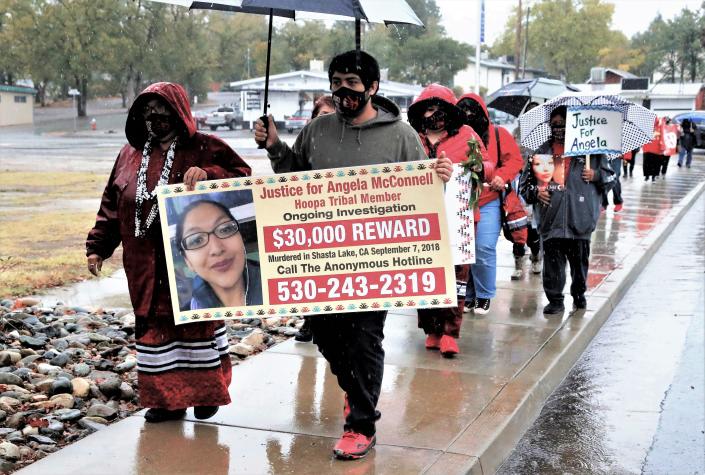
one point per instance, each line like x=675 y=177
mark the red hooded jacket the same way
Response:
x=143 y=258
x=509 y=164
x=656 y=144
x=455 y=145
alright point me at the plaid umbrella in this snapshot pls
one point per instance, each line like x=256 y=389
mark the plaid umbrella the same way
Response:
x=637 y=128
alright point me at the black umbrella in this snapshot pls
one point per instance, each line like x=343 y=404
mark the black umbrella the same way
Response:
x=513 y=97
x=374 y=11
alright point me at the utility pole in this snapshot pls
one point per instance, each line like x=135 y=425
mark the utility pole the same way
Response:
x=248 y=63
x=526 y=43
x=517 y=43
x=480 y=39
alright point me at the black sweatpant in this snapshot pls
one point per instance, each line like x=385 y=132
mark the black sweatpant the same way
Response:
x=651 y=164
x=555 y=253
x=616 y=165
x=352 y=344
x=628 y=165
x=533 y=241
x=664 y=163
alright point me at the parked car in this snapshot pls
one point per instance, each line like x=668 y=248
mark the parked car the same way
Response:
x=297 y=121
x=200 y=117
x=697 y=118
x=503 y=119
x=224 y=116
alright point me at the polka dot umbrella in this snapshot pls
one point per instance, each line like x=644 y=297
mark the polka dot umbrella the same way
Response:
x=637 y=126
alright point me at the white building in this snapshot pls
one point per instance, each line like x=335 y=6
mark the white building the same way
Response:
x=16 y=105
x=663 y=99
x=297 y=90
x=494 y=73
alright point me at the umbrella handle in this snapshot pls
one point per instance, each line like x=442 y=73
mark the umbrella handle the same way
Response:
x=265 y=122
x=264 y=118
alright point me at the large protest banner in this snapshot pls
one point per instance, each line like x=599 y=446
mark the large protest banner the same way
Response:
x=328 y=241
x=593 y=130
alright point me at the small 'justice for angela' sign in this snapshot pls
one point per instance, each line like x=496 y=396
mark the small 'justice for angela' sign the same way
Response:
x=593 y=130
x=327 y=241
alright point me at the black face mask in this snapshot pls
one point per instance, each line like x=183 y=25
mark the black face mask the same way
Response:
x=558 y=133
x=435 y=122
x=160 y=126
x=475 y=117
x=349 y=103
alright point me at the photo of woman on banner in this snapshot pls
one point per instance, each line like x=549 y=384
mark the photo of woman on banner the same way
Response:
x=543 y=167
x=549 y=171
x=214 y=244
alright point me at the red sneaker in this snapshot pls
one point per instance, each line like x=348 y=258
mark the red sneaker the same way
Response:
x=346 y=407
x=618 y=208
x=449 y=346
x=433 y=342
x=353 y=445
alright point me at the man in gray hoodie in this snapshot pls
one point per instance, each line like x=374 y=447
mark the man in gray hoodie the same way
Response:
x=365 y=130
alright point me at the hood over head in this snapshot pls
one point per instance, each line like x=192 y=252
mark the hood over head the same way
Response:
x=175 y=96
x=443 y=97
x=481 y=125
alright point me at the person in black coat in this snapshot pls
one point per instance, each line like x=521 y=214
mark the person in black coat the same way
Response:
x=686 y=143
x=569 y=207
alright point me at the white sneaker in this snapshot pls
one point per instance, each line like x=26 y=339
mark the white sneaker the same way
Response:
x=482 y=306
x=518 y=268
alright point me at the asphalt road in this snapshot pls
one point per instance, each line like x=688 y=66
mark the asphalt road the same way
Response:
x=54 y=146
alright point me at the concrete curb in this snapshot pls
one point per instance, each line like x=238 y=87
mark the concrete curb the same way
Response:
x=491 y=437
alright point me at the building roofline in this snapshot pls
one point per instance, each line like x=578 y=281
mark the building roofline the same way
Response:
x=257 y=84
x=274 y=77
x=494 y=63
x=18 y=89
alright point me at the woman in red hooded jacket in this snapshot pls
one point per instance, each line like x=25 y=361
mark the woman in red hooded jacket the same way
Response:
x=177 y=366
x=504 y=154
x=441 y=127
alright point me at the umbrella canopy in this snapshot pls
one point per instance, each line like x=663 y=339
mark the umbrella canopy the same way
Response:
x=637 y=126
x=375 y=11
x=512 y=98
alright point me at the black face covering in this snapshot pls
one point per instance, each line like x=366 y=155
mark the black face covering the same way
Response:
x=350 y=103
x=475 y=117
x=160 y=126
x=558 y=133
x=436 y=121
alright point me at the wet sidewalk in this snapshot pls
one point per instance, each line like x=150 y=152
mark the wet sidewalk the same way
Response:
x=439 y=416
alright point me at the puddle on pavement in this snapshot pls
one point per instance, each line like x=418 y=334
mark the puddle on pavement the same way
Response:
x=107 y=292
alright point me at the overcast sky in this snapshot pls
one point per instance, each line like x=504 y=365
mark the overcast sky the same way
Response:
x=630 y=16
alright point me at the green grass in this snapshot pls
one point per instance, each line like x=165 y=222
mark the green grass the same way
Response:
x=24 y=189
x=42 y=248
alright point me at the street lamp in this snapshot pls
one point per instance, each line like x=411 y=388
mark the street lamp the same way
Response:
x=73 y=93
